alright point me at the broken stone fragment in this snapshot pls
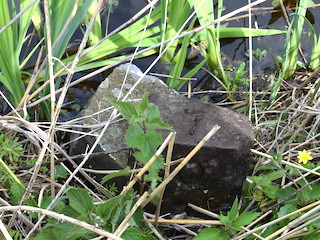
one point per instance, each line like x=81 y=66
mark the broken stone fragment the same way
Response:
x=213 y=177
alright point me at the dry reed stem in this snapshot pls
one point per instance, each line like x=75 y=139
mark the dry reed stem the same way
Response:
x=254 y=234
x=148 y=164
x=153 y=229
x=22 y=217
x=166 y=174
x=181 y=165
x=203 y=211
x=52 y=91
x=5 y=231
x=294 y=234
x=187 y=221
x=62 y=218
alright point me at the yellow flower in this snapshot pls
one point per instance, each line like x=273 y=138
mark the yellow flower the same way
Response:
x=304 y=156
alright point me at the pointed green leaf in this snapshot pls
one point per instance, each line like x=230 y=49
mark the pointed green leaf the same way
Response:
x=233 y=213
x=105 y=210
x=212 y=233
x=149 y=141
x=143 y=104
x=244 y=219
x=126 y=109
x=80 y=200
x=132 y=134
x=122 y=172
x=157 y=123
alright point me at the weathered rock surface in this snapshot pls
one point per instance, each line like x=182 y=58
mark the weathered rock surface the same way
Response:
x=214 y=176
x=216 y=173
x=99 y=110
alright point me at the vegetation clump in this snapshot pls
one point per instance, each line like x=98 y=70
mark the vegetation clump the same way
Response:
x=46 y=195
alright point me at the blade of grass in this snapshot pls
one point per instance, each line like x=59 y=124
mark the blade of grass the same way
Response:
x=96 y=33
x=293 y=39
x=13 y=38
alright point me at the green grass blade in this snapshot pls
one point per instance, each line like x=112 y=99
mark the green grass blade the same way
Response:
x=178 y=12
x=290 y=59
x=96 y=33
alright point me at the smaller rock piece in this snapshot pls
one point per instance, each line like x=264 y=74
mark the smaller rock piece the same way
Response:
x=214 y=176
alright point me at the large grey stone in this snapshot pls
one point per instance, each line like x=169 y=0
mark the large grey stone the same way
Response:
x=214 y=177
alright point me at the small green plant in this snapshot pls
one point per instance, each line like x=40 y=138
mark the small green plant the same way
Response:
x=232 y=222
x=144 y=119
x=257 y=54
x=108 y=215
x=9 y=149
x=239 y=78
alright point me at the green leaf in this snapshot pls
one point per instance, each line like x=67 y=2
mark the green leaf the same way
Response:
x=233 y=213
x=212 y=233
x=151 y=112
x=132 y=134
x=154 y=168
x=80 y=201
x=244 y=219
x=49 y=234
x=133 y=233
x=311 y=195
x=143 y=104
x=122 y=172
x=284 y=193
x=105 y=210
x=126 y=109
x=16 y=192
x=287 y=208
x=149 y=141
x=60 y=172
x=157 y=123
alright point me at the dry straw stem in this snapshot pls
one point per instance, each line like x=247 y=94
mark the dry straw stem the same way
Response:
x=52 y=91
x=5 y=231
x=181 y=165
x=294 y=234
x=254 y=234
x=61 y=217
x=148 y=164
x=153 y=229
x=187 y=221
x=242 y=236
x=124 y=224
x=166 y=174
x=203 y=211
x=22 y=217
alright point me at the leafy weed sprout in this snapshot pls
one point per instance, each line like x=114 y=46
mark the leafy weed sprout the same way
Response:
x=280 y=196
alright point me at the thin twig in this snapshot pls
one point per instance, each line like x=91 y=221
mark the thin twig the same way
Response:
x=181 y=165
x=61 y=217
x=166 y=174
